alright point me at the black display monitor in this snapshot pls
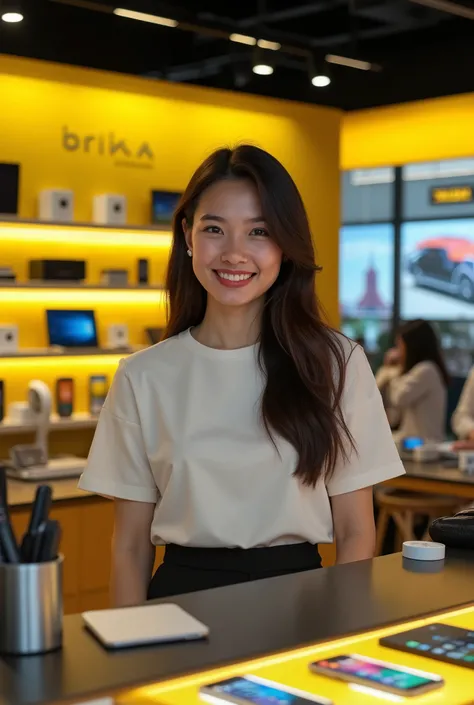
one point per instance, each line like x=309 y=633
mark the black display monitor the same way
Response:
x=72 y=329
x=163 y=206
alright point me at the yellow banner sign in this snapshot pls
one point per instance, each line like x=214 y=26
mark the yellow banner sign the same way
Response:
x=442 y=195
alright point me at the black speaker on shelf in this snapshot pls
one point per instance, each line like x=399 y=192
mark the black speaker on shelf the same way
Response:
x=57 y=270
x=2 y=400
x=142 y=271
x=9 y=188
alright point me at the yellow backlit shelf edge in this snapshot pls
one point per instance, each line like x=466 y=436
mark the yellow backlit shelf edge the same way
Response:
x=41 y=353
x=16 y=220
x=77 y=286
x=90 y=235
x=67 y=296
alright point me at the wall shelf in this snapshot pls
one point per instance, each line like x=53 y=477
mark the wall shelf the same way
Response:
x=77 y=422
x=78 y=352
x=76 y=285
x=13 y=220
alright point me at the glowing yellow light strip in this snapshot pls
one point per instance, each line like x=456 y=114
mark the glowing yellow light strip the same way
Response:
x=154 y=690
x=42 y=364
x=91 y=237
x=80 y=296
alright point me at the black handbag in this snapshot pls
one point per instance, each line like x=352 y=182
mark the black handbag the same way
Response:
x=456 y=531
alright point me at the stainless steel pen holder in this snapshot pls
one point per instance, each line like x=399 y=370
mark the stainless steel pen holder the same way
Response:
x=31 y=607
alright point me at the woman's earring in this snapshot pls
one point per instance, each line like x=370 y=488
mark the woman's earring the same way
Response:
x=189 y=253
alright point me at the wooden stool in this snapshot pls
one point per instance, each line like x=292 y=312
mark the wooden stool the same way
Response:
x=403 y=507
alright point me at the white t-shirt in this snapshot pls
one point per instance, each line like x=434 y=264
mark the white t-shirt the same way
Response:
x=181 y=428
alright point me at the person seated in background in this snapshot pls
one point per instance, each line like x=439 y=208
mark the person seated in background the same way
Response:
x=462 y=420
x=413 y=382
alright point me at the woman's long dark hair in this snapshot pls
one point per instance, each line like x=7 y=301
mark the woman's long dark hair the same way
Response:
x=301 y=357
x=422 y=345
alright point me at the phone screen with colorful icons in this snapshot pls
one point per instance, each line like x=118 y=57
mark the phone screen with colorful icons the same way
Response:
x=377 y=674
x=440 y=642
x=251 y=690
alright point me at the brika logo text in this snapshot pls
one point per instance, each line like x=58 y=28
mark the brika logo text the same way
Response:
x=105 y=144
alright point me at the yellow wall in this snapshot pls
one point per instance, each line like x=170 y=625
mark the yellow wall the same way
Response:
x=180 y=124
x=421 y=131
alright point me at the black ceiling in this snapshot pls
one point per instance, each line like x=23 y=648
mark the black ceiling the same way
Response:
x=421 y=52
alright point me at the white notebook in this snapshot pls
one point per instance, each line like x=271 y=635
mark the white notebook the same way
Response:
x=146 y=624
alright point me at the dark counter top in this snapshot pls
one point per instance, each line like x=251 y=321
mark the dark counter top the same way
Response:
x=437 y=471
x=246 y=621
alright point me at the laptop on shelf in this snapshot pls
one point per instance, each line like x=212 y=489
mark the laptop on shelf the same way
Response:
x=74 y=330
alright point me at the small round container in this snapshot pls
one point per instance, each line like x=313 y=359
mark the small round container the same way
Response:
x=424 y=550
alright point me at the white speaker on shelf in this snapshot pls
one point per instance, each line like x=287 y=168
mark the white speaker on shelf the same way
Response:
x=56 y=205
x=8 y=339
x=117 y=336
x=110 y=209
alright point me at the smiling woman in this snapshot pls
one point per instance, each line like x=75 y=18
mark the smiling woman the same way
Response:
x=253 y=425
x=230 y=244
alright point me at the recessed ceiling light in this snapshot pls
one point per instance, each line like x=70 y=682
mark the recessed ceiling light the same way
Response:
x=320 y=81
x=12 y=17
x=243 y=39
x=144 y=17
x=263 y=69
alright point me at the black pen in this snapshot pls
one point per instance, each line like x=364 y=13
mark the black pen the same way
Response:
x=3 y=501
x=3 y=487
x=38 y=517
x=40 y=509
x=8 y=542
x=50 y=541
x=9 y=551
x=37 y=536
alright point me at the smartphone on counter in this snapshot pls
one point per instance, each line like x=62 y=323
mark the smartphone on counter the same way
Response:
x=440 y=642
x=252 y=690
x=378 y=675
x=98 y=388
x=64 y=396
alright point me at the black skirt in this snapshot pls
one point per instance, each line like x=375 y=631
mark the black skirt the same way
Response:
x=190 y=569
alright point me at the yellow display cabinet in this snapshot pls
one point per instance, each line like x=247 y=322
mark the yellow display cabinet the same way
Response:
x=292 y=669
